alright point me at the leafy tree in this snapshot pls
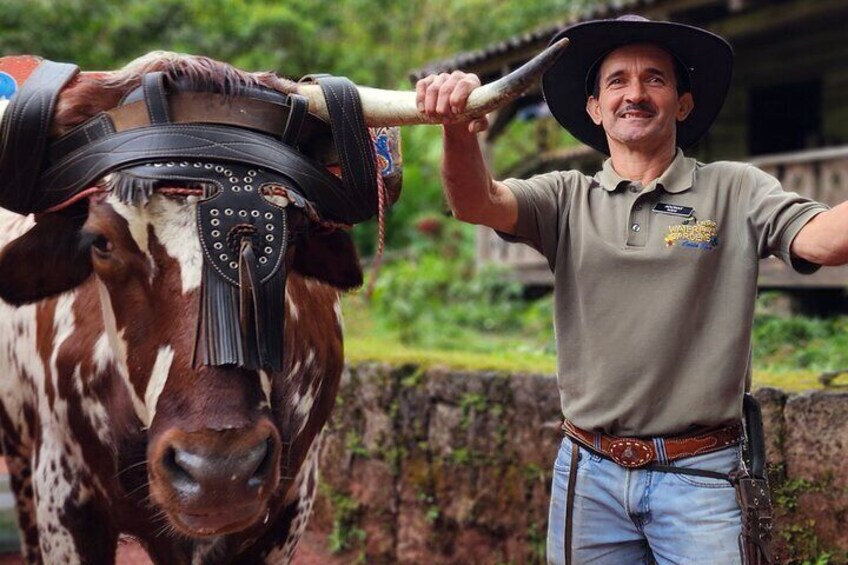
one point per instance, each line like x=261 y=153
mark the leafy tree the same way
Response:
x=371 y=42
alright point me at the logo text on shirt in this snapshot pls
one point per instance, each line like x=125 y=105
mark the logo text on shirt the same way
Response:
x=702 y=234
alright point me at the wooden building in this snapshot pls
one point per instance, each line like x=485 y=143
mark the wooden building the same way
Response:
x=787 y=110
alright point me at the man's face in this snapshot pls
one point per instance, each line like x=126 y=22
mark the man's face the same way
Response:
x=637 y=102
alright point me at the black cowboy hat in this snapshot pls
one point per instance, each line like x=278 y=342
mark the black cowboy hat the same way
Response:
x=706 y=57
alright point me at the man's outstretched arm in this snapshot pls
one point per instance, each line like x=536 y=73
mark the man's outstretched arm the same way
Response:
x=473 y=195
x=824 y=239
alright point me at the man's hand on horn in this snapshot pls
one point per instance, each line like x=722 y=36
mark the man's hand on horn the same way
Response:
x=445 y=95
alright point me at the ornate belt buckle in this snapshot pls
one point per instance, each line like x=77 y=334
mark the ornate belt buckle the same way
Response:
x=631 y=453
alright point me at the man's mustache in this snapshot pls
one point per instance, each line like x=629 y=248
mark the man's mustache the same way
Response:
x=637 y=107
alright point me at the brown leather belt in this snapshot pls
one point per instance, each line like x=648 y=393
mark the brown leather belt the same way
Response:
x=635 y=452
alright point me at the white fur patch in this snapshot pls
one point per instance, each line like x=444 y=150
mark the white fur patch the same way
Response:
x=305 y=500
x=158 y=378
x=291 y=307
x=337 y=308
x=92 y=408
x=303 y=408
x=265 y=383
x=174 y=223
x=51 y=492
x=119 y=349
x=20 y=364
x=310 y=360
x=59 y=448
x=103 y=354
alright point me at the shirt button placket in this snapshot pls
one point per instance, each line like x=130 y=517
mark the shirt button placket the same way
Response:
x=637 y=234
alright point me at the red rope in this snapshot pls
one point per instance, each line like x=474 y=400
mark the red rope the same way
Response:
x=76 y=198
x=381 y=234
x=180 y=191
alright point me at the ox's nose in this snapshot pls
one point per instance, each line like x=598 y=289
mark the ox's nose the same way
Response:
x=248 y=468
x=205 y=473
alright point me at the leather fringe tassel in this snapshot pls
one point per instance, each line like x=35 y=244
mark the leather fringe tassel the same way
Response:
x=130 y=189
x=243 y=325
x=220 y=330
x=136 y=190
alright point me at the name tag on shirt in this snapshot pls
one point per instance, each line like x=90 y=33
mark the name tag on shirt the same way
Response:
x=673 y=209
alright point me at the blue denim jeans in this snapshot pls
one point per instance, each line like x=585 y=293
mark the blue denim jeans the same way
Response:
x=624 y=516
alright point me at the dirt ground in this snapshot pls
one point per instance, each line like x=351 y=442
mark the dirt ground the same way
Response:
x=311 y=551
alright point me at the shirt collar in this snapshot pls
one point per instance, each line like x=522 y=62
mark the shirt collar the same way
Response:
x=678 y=177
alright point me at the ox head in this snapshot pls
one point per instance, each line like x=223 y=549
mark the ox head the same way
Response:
x=219 y=439
x=221 y=433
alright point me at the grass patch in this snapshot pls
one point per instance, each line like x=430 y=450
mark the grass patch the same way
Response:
x=787 y=380
x=790 y=353
x=366 y=340
x=362 y=349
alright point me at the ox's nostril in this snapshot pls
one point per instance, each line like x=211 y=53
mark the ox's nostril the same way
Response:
x=263 y=454
x=179 y=473
x=263 y=469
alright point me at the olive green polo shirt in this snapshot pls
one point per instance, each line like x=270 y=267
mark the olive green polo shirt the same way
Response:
x=655 y=287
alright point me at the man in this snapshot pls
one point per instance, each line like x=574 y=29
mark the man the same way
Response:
x=655 y=265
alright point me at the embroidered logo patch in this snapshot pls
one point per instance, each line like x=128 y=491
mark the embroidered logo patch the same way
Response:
x=700 y=235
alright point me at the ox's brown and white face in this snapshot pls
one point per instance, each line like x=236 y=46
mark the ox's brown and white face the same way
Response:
x=211 y=450
x=218 y=439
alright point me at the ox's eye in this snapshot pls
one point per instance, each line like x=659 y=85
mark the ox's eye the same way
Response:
x=101 y=245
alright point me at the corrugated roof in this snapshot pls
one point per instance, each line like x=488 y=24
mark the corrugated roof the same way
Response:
x=540 y=37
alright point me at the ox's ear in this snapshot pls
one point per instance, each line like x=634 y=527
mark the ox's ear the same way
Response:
x=52 y=257
x=329 y=257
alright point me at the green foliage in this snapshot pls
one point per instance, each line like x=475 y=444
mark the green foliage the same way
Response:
x=801 y=541
x=823 y=559
x=346 y=534
x=800 y=342
x=461 y=457
x=374 y=43
x=786 y=494
x=354 y=443
x=522 y=140
x=433 y=513
x=471 y=404
x=537 y=539
x=433 y=296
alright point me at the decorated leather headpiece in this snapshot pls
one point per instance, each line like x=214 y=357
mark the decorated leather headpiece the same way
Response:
x=242 y=144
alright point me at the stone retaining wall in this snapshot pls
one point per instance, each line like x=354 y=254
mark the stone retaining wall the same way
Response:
x=454 y=467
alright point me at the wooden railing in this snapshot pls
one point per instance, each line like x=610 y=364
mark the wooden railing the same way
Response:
x=820 y=174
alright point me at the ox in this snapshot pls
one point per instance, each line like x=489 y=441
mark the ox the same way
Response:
x=113 y=422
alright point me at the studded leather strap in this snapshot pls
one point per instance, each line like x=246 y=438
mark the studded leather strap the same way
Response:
x=178 y=142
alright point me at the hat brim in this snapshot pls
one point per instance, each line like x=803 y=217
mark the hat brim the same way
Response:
x=707 y=57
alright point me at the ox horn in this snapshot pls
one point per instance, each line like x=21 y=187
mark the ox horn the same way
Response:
x=398 y=108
